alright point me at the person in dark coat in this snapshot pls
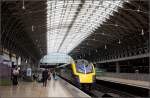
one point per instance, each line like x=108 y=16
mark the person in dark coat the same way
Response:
x=15 y=74
x=45 y=77
x=54 y=74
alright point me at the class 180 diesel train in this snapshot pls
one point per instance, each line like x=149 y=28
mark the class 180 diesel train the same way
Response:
x=79 y=72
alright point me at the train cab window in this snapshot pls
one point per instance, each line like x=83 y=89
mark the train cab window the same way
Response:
x=89 y=68
x=84 y=67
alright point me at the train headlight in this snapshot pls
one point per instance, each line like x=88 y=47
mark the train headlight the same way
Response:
x=94 y=78
x=77 y=78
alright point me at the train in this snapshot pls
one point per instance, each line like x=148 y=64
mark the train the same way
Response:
x=79 y=72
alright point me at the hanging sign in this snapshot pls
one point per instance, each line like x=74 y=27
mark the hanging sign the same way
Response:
x=29 y=72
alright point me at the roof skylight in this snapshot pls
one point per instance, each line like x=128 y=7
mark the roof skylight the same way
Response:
x=69 y=22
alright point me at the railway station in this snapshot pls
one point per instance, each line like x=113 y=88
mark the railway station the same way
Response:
x=74 y=48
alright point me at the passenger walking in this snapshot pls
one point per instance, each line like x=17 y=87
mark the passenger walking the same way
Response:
x=45 y=77
x=54 y=74
x=34 y=77
x=49 y=75
x=15 y=74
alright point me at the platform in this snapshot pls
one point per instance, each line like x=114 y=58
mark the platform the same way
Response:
x=137 y=83
x=55 y=88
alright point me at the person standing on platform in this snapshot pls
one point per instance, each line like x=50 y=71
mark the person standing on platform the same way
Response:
x=54 y=74
x=45 y=77
x=15 y=74
x=49 y=75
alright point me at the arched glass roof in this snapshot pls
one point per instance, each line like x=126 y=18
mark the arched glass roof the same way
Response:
x=54 y=58
x=69 y=22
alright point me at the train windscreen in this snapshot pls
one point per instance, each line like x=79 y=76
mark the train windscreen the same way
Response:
x=84 y=67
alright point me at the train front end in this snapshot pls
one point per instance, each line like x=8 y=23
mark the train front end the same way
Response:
x=84 y=71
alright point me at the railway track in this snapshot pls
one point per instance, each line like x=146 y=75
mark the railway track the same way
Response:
x=100 y=91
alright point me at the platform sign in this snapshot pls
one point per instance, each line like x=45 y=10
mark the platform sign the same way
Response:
x=29 y=72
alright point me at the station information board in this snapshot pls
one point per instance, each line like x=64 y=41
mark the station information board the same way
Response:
x=29 y=72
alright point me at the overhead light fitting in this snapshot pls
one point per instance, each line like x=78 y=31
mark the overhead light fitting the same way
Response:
x=119 y=42
x=23 y=6
x=64 y=20
x=32 y=28
x=105 y=47
x=116 y=25
x=142 y=33
x=103 y=33
x=94 y=38
x=96 y=50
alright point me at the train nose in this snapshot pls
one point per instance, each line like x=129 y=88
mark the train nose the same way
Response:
x=85 y=79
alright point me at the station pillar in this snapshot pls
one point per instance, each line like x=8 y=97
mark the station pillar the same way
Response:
x=10 y=56
x=1 y=48
x=117 y=67
x=17 y=60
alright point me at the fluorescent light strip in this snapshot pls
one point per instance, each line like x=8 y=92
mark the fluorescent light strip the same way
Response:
x=61 y=14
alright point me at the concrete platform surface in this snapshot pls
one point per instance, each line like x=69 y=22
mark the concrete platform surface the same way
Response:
x=55 y=88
